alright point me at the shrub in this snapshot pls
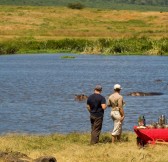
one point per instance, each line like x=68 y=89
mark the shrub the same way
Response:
x=164 y=45
x=67 y=44
x=34 y=45
x=8 y=48
x=11 y=49
x=104 y=42
x=77 y=5
x=2 y=50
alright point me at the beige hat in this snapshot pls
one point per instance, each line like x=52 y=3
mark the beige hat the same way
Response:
x=117 y=86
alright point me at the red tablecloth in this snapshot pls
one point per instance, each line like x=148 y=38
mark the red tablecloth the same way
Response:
x=150 y=135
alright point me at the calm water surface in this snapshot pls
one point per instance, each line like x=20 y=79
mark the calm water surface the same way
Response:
x=37 y=91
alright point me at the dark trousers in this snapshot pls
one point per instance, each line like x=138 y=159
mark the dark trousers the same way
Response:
x=96 y=126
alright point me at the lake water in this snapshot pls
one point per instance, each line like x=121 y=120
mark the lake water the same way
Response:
x=37 y=91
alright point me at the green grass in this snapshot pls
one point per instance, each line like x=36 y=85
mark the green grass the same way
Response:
x=74 y=147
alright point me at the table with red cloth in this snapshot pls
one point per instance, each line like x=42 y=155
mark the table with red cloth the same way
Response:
x=151 y=135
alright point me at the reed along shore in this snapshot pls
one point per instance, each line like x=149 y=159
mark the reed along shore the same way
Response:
x=131 y=46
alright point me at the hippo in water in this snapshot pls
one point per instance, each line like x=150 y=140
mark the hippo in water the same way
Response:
x=81 y=97
x=144 y=94
x=158 y=80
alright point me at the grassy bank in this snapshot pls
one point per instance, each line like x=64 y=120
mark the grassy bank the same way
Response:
x=50 y=29
x=75 y=147
x=129 y=46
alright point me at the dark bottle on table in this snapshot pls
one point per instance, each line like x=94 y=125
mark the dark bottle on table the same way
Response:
x=163 y=119
x=144 y=121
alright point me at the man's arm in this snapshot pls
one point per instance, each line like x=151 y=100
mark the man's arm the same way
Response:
x=120 y=105
x=88 y=107
x=103 y=103
x=109 y=102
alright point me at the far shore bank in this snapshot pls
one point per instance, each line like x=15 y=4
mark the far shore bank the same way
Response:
x=74 y=147
x=51 y=29
x=106 y=46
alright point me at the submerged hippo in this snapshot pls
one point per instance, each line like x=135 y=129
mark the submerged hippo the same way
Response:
x=158 y=80
x=81 y=97
x=144 y=94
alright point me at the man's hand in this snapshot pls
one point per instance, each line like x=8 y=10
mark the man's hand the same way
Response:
x=122 y=118
x=103 y=106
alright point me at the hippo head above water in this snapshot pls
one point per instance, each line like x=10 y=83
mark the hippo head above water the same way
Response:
x=81 y=97
x=144 y=94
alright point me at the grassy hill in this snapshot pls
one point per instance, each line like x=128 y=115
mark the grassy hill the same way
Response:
x=41 y=28
x=146 y=5
x=61 y=22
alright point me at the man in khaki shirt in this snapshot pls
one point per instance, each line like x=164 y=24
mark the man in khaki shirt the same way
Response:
x=115 y=101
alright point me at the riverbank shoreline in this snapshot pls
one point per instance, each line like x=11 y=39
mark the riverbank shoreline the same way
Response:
x=75 y=147
x=130 y=46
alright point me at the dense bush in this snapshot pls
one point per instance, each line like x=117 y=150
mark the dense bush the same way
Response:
x=2 y=51
x=77 y=5
x=8 y=48
x=68 y=44
x=131 y=45
x=164 y=45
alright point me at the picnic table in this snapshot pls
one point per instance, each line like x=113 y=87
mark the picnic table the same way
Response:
x=149 y=135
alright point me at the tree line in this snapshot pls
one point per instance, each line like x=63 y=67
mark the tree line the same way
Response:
x=85 y=2
x=143 y=2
